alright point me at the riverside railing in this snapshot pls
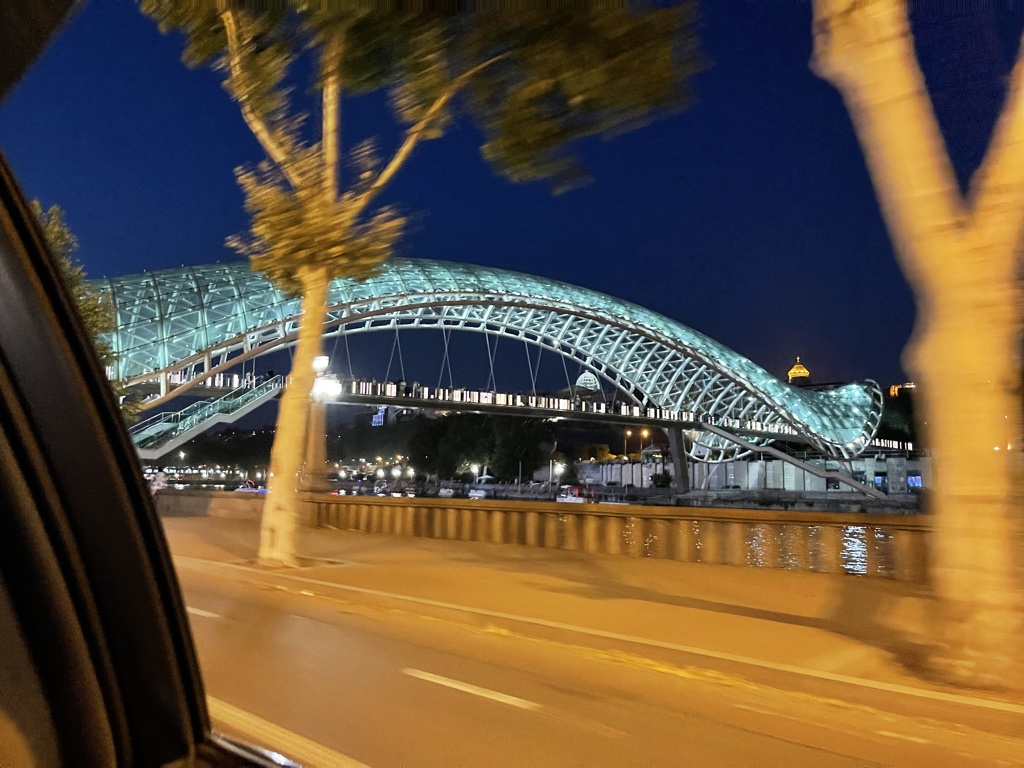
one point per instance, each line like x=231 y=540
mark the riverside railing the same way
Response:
x=887 y=546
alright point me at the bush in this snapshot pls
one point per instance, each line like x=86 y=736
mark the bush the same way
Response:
x=661 y=480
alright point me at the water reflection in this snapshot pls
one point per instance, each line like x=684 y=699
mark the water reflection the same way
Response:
x=854 y=551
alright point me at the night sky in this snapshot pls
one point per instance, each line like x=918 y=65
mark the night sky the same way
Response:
x=749 y=217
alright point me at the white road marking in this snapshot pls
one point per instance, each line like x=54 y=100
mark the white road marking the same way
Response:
x=906 y=690
x=758 y=710
x=270 y=735
x=201 y=612
x=836 y=728
x=487 y=693
x=903 y=736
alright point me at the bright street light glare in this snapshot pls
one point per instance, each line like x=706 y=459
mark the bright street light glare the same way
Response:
x=327 y=388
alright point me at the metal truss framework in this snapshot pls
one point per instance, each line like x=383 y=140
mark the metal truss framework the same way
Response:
x=199 y=321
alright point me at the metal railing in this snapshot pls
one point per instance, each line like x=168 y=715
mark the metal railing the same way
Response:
x=164 y=427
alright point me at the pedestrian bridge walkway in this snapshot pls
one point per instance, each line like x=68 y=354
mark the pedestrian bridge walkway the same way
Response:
x=165 y=431
x=194 y=323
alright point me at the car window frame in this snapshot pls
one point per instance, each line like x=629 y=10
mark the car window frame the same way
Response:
x=99 y=516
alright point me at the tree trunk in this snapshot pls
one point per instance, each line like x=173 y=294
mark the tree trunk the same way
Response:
x=279 y=528
x=965 y=357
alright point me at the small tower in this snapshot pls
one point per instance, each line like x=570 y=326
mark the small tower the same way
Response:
x=798 y=374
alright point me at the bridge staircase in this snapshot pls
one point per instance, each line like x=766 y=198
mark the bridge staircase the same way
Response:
x=164 y=432
x=816 y=466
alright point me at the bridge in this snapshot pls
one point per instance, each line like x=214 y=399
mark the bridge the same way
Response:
x=179 y=329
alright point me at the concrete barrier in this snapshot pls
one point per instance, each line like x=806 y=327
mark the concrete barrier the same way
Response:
x=888 y=546
x=238 y=506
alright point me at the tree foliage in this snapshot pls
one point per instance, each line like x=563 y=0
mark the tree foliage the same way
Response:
x=94 y=308
x=595 y=451
x=501 y=443
x=535 y=82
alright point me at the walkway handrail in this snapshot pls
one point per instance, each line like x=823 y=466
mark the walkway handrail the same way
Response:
x=192 y=416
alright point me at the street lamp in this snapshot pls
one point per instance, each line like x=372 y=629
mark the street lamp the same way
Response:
x=326 y=388
x=396 y=472
x=625 y=445
x=475 y=469
x=643 y=436
x=380 y=473
x=320 y=363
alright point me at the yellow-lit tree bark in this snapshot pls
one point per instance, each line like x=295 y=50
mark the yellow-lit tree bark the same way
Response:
x=961 y=257
x=280 y=522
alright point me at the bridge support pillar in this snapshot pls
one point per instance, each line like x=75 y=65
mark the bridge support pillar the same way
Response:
x=315 y=470
x=680 y=466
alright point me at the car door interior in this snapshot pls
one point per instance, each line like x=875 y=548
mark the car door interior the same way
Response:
x=98 y=533
x=97 y=665
x=83 y=561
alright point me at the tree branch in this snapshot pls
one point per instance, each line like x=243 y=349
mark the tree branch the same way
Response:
x=414 y=134
x=866 y=51
x=331 y=62
x=997 y=189
x=257 y=124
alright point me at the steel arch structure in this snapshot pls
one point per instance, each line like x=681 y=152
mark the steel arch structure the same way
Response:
x=203 y=320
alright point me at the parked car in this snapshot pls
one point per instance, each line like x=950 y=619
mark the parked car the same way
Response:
x=98 y=666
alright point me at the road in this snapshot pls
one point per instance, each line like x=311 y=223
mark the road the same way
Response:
x=389 y=677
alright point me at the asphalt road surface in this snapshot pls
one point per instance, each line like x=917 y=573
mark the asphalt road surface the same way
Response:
x=348 y=675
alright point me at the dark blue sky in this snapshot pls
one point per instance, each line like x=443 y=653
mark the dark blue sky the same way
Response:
x=749 y=217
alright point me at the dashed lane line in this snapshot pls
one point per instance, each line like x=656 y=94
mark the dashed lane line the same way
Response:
x=906 y=690
x=201 y=612
x=476 y=690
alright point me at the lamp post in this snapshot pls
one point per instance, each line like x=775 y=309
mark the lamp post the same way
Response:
x=475 y=469
x=625 y=444
x=643 y=436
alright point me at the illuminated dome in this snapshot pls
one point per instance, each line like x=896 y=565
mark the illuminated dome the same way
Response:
x=588 y=381
x=799 y=373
